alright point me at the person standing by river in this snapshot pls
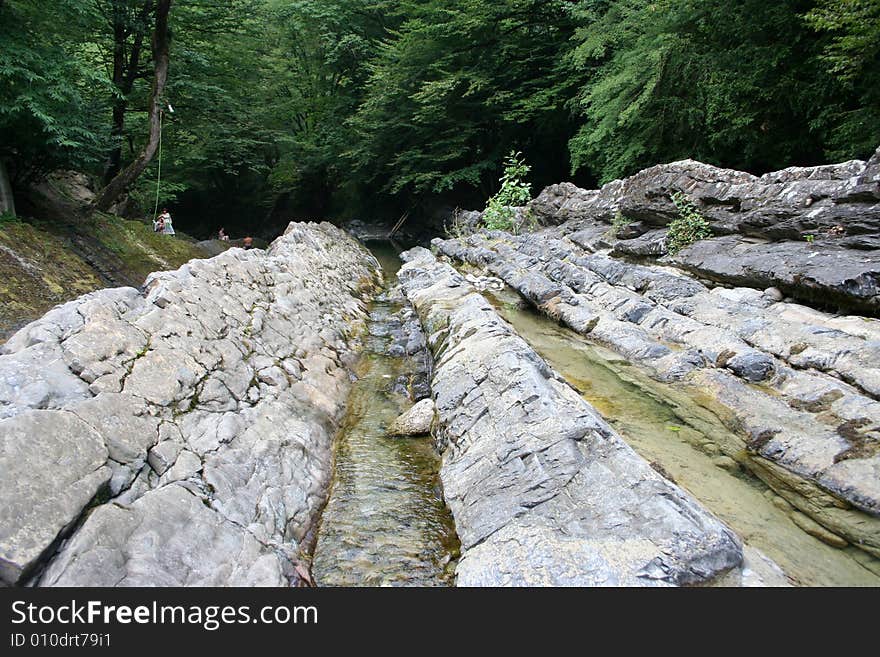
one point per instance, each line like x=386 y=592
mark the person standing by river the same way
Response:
x=165 y=219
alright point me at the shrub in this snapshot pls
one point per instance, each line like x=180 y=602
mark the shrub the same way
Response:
x=688 y=227
x=618 y=223
x=500 y=213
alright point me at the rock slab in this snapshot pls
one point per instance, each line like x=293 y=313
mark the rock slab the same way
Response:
x=181 y=435
x=799 y=386
x=543 y=491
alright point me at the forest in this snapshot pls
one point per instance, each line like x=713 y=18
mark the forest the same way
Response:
x=270 y=110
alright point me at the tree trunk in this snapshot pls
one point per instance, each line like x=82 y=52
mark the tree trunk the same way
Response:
x=114 y=162
x=125 y=72
x=7 y=203
x=116 y=187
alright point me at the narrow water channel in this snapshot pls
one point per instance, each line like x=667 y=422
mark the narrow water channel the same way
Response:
x=385 y=523
x=679 y=437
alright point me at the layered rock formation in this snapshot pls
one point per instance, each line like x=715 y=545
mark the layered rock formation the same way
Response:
x=813 y=232
x=543 y=491
x=799 y=386
x=180 y=436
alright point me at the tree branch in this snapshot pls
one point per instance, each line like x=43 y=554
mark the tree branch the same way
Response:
x=107 y=196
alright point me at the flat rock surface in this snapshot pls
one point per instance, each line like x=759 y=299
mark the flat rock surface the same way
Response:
x=543 y=491
x=196 y=417
x=825 y=274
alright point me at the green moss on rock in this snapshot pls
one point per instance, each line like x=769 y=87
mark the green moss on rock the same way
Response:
x=43 y=264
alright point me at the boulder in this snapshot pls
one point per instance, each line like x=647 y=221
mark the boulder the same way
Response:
x=416 y=421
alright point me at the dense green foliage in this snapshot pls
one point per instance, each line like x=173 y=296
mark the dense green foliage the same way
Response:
x=297 y=107
x=49 y=113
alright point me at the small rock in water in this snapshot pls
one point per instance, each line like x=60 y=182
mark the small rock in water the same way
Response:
x=416 y=421
x=726 y=463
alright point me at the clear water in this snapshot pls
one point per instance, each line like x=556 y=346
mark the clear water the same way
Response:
x=668 y=428
x=385 y=523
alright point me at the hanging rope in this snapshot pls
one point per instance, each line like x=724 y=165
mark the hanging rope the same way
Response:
x=159 y=175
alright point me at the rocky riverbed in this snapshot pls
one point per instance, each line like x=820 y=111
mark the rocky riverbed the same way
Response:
x=796 y=385
x=543 y=491
x=187 y=433
x=672 y=429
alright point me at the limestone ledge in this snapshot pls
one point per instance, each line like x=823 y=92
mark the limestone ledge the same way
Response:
x=799 y=386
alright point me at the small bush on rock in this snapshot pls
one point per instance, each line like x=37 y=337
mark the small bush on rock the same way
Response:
x=500 y=212
x=618 y=223
x=688 y=227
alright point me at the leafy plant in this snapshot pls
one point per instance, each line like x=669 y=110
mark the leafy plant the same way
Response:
x=618 y=223
x=500 y=213
x=810 y=237
x=690 y=226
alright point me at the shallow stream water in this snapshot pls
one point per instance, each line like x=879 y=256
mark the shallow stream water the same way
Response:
x=385 y=523
x=670 y=430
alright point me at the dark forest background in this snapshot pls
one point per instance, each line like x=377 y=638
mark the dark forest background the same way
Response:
x=371 y=108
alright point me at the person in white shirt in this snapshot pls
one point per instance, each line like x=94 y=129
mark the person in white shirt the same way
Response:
x=165 y=218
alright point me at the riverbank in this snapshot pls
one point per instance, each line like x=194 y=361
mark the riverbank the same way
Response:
x=42 y=265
